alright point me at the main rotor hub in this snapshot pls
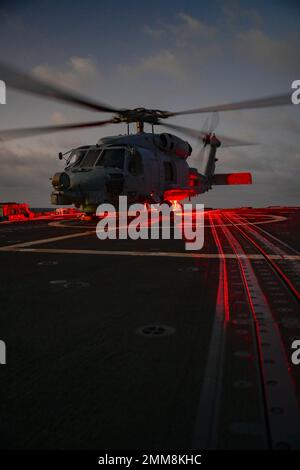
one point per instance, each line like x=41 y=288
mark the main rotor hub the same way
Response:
x=151 y=116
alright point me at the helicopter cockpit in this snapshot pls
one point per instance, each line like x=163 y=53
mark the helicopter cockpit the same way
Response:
x=105 y=157
x=112 y=158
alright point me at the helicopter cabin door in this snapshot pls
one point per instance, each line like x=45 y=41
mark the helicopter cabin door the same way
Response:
x=155 y=173
x=152 y=171
x=134 y=176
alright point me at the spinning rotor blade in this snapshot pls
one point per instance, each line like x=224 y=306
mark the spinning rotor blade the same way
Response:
x=185 y=130
x=265 y=102
x=31 y=131
x=214 y=121
x=210 y=123
x=23 y=82
x=206 y=129
x=225 y=141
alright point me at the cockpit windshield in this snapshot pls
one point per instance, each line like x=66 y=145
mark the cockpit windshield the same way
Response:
x=113 y=158
x=75 y=157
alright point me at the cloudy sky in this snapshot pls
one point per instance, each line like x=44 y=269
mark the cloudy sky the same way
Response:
x=161 y=54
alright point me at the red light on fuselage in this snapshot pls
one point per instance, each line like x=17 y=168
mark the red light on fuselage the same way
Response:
x=176 y=194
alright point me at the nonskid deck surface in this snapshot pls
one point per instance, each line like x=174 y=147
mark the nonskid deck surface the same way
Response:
x=142 y=344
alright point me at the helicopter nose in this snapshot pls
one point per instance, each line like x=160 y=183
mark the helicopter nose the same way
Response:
x=61 y=181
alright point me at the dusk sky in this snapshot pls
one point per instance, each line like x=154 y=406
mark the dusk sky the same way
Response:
x=170 y=55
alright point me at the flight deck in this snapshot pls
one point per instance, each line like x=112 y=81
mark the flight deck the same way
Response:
x=123 y=344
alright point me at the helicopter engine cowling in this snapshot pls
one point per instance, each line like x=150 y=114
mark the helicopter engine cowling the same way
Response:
x=174 y=145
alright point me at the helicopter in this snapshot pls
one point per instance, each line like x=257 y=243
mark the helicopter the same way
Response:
x=147 y=167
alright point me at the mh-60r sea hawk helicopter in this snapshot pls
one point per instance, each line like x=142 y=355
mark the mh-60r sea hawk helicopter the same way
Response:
x=146 y=167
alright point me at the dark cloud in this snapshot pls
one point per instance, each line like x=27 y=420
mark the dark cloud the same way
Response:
x=25 y=173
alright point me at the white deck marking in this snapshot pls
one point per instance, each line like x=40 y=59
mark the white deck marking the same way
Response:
x=269 y=219
x=19 y=248
x=44 y=240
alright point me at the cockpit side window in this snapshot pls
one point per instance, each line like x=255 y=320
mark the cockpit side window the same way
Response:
x=90 y=158
x=135 y=163
x=113 y=158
